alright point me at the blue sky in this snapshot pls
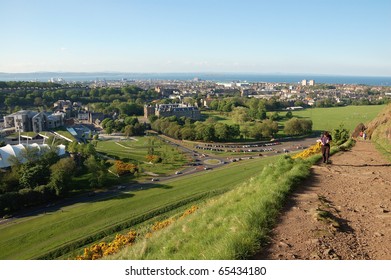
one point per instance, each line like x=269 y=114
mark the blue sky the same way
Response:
x=342 y=37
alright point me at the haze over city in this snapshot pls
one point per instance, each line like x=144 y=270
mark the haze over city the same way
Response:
x=317 y=37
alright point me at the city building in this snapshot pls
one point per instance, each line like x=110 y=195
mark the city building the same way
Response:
x=26 y=121
x=169 y=110
x=308 y=83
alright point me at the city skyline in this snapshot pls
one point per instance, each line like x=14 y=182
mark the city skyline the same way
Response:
x=318 y=37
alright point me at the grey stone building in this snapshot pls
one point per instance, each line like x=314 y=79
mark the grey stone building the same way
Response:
x=168 y=110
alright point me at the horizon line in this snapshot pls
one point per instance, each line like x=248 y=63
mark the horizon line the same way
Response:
x=196 y=72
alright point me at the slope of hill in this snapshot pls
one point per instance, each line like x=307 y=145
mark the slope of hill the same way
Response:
x=343 y=210
x=379 y=130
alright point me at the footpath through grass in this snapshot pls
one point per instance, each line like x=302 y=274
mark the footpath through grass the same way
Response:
x=230 y=226
x=75 y=226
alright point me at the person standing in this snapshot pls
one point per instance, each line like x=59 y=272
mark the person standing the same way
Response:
x=325 y=145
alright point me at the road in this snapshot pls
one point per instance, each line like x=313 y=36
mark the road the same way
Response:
x=201 y=161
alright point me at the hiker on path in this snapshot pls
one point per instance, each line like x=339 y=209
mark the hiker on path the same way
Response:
x=325 y=144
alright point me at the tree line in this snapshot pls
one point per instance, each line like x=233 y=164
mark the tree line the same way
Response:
x=120 y=99
x=44 y=176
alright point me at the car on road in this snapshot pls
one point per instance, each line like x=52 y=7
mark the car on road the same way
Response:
x=178 y=172
x=154 y=179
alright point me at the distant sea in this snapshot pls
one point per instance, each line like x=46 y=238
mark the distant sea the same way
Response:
x=215 y=77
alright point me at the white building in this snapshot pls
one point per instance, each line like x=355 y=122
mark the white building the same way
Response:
x=308 y=83
x=9 y=151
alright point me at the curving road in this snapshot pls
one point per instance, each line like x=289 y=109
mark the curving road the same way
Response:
x=201 y=161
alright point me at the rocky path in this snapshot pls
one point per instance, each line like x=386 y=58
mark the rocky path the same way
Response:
x=341 y=212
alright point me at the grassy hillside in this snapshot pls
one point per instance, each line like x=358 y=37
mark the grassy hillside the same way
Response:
x=379 y=131
x=82 y=223
x=230 y=226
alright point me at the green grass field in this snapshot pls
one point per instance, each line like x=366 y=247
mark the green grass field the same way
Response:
x=136 y=151
x=219 y=116
x=32 y=237
x=322 y=118
x=331 y=118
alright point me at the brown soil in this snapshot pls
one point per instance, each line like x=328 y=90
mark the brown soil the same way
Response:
x=343 y=211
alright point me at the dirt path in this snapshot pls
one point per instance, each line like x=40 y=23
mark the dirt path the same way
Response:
x=341 y=212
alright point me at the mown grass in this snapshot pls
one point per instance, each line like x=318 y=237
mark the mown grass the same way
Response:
x=136 y=151
x=35 y=236
x=231 y=226
x=323 y=118
x=331 y=118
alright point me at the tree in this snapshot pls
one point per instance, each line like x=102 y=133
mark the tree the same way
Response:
x=129 y=130
x=204 y=132
x=31 y=154
x=233 y=131
x=240 y=115
x=221 y=131
x=61 y=175
x=275 y=116
x=269 y=128
x=33 y=175
x=109 y=130
x=295 y=126
x=245 y=129
x=98 y=171
x=188 y=133
x=152 y=118
x=256 y=131
x=341 y=135
x=289 y=115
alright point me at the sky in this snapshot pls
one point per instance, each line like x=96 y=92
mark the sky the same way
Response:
x=338 y=37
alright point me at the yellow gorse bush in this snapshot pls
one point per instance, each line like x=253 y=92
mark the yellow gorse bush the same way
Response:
x=102 y=249
x=160 y=225
x=189 y=211
x=314 y=149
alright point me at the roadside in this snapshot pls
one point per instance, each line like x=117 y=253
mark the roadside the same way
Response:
x=341 y=212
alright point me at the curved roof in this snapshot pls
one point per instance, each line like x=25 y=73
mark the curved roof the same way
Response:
x=15 y=150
